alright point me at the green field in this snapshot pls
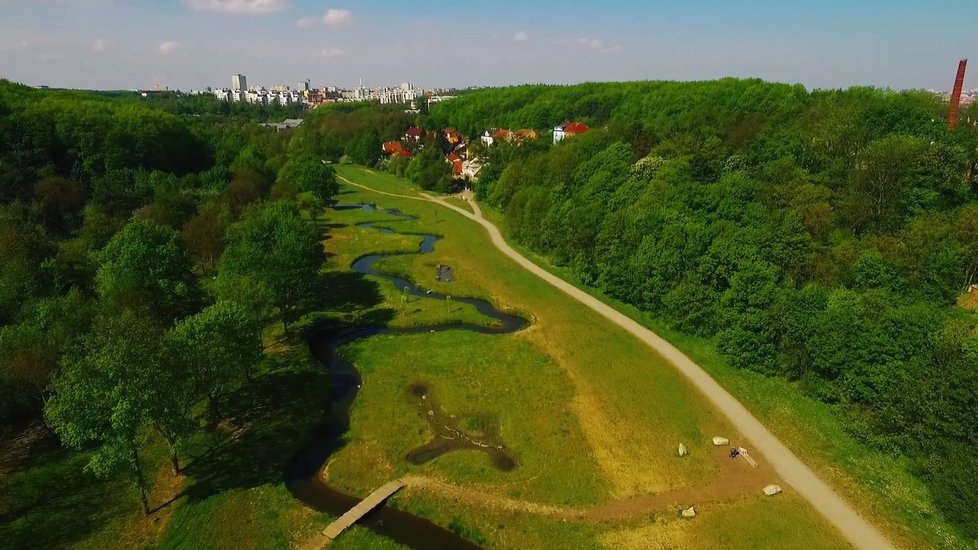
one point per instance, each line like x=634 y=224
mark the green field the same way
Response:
x=594 y=416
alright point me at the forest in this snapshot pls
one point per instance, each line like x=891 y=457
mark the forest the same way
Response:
x=824 y=236
x=828 y=237
x=146 y=243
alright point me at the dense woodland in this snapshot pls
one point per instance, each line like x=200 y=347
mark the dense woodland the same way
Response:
x=822 y=236
x=146 y=242
x=819 y=236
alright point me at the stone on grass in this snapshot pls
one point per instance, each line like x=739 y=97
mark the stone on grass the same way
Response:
x=689 y=512
x=720 y=441
x=683 y=451
x=772 y=490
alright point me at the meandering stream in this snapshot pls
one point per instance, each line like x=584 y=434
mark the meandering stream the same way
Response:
x=303 y=477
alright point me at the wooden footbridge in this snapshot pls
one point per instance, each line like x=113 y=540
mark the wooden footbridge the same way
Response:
x=361 y=509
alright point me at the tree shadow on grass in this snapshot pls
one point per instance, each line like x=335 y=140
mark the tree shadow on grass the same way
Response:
x=276 y=415
x=53 y=502
x=347 y=292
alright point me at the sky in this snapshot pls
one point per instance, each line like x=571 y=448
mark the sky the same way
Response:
x=192 y=44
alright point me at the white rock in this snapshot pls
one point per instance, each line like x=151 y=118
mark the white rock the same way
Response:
x=720 y=441
x=683 y=451
x=689 y=512
x=772 y=490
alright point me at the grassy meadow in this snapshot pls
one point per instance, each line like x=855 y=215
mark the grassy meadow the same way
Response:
x=592 y=415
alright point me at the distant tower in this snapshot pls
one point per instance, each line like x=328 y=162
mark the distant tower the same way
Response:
x=952 y=114
x=239 y=82
x=303 y=86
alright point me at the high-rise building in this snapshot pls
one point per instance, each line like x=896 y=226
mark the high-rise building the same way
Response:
x=303 y=86
x=239 y=82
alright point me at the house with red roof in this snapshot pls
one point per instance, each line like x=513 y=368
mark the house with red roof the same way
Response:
x=452 y=136
x=413 y=133
x=456 y=162
x=569 y=129
x=395 y=148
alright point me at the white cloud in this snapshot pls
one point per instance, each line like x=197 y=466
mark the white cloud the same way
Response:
x=330 y=53
x=521 y=37
x=598 y=45
x=238 y=6
x=169 y=47
x=306 y=22
x=335 y=17
x=100 y=45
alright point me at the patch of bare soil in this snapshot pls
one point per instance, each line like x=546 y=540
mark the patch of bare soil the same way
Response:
x=736 y=479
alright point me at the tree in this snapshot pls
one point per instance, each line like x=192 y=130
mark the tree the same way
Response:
x=147 y=263
x=216 y=346
x=274 y=248
x=310 y=175
x=364 y=149
x=886 y=171
x=110 y=395
x=30 y=350
x=966 y=234
x=205 y=233
x=429 y=170
x=59 y=202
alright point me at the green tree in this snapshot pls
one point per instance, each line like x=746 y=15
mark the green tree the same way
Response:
x=310 y=176
x=147 y=263
x=274 y=248
x=364 y=149
x=886 y=171
x=109 y=397
x=216 y=346
x=205 y=233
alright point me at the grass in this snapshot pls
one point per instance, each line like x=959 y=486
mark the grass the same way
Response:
x=590 y=414
x=231 y=494
x=620 y=404
x=506 y=379
x=968 y=301
x=879 y=485
x=43 y=501
x=346 y=243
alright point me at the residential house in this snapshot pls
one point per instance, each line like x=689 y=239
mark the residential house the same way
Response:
x=457 y=164
x=503 y=134
x=452 y=136
x=471 y=168
x=394 y=148
x=413 y=133
x=569 y=129
x=487 y=138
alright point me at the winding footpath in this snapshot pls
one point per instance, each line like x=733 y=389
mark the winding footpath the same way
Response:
x=859 y=532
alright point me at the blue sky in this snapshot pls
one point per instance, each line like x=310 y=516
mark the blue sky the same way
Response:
x=196 y=43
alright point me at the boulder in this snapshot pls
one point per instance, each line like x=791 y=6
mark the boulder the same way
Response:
x=772 y=490
x=720 y=441
x=682 y=451
x=689 y=512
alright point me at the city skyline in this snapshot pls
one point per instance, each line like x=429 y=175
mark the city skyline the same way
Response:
x=192 y=44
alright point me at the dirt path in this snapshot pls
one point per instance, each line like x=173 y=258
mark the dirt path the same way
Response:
x=736 y=480
x=853 y=527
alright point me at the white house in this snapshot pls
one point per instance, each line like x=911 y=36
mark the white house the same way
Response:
x=487 y=138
